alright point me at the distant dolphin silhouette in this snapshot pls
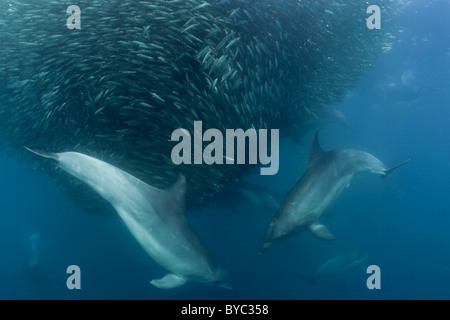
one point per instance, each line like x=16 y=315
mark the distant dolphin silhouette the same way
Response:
x=260 y=197
x=327 y=174
x=37 y=274
x=325 y=116
x=155 y=217
x=336 y=264
x=399 y=92
x=33 y=241
x=319 y=118
x=342 y=261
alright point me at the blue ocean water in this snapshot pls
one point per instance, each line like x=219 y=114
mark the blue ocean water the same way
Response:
x=400 y=110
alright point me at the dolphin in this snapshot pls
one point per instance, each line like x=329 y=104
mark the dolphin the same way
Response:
x=155 y=217
x=400 y=92
x=325 y=116
x=342 y=261
x=36 y=274
x=319 y=118
x=34 y=240
x=336 y=265
x=328 y=173
x=260 y=197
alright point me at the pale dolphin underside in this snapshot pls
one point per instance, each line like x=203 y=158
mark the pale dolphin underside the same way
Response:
x=155 y=217
x=327 y=174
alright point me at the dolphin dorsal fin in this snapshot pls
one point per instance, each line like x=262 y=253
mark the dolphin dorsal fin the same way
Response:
x=315 y=150
x=170 y=203
x=178 y=190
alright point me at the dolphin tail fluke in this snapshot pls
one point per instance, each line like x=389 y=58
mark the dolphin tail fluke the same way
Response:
x=43 y=154
x=389 y=171
x=169 y=281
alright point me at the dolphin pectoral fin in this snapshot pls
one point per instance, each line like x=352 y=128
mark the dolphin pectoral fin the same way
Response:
x=321 y=231
x=169 y=281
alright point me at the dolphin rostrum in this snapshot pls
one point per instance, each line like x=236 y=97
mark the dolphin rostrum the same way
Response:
x=155 y=217
x=327 y=174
